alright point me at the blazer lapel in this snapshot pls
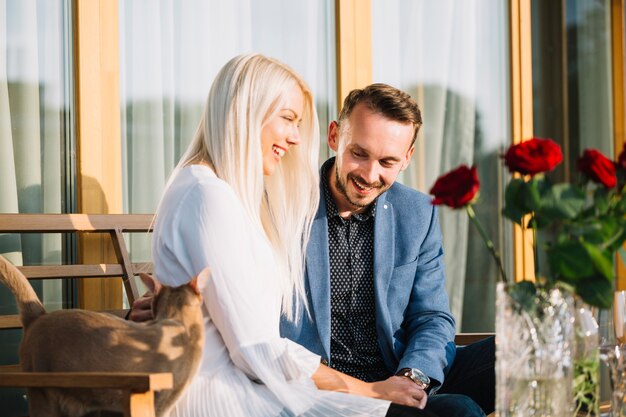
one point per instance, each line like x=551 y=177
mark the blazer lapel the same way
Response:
x=383 y=268
x=318 y=273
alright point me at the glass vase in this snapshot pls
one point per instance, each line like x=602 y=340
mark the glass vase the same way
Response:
x=534 y=342
x=586 y=362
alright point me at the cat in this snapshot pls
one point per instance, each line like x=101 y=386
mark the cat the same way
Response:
x=82 y=341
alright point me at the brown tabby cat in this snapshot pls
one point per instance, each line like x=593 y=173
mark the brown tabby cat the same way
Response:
x=80 y=340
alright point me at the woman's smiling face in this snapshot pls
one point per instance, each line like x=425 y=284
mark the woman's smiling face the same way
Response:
x=282 y=130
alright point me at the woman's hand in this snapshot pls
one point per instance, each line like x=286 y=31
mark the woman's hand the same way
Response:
x=397 y=389
x=141 y=310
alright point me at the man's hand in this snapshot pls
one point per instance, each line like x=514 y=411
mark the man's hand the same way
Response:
x=141 y=309
x=400 y=390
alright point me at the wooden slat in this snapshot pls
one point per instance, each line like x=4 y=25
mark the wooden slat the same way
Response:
x=10 y=368
x=65 y=223
x=133 y=381
x=464 y=339
x=140 y=404
x=81 y=271
x=10 y=322
x=132 y=292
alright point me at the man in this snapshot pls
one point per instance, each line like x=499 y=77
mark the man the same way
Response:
x=377 y=306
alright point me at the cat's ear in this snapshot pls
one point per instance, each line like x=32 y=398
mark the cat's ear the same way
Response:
x=199 y=281
x=152 y=284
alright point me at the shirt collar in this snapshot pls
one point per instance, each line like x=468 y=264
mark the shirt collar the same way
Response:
x=331 y=206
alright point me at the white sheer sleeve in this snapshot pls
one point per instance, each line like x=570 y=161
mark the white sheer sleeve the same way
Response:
x=211 y=228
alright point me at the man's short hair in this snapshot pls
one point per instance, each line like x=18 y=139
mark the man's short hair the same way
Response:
x=386 y=100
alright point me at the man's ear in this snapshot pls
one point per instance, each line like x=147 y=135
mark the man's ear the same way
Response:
x=407 y=159
x=198 y=283
x=152 y=284
x=333 y=135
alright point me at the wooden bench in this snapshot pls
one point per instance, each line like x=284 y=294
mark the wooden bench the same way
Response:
x=139 y=388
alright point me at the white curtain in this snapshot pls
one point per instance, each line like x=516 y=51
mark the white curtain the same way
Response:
x=594 y=116
x=34 y=69
x=451 y=57
x=33 y=104
x=171 y=51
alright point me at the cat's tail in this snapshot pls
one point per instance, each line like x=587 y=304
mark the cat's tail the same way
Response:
x=27 y=300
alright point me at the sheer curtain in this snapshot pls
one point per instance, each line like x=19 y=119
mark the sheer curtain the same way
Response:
x=591 y=111
x=34 y=69
x=170 y=53
x=34 y=106
x=451 y=57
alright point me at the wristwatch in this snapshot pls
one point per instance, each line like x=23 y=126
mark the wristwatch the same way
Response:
x=417 y=376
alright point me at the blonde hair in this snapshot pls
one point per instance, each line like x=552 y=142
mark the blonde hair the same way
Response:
x=245 y=94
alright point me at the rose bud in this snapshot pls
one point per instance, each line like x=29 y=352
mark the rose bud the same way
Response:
x=457 y=188
x=533 y=156
x=597 y=167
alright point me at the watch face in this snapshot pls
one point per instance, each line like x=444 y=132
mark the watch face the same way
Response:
x=420 y=378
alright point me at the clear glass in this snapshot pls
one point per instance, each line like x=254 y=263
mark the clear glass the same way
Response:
x=36 y=143
x=452 y=57
x=586 y=389
x=534 y=354
x=614 y=357
x=572 y=88
x=169 y=54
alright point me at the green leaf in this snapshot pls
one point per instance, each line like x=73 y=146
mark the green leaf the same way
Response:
x=524 y=293
x=602 y=260
x=534 y=190
x=601 y=199
x=561 y=201
x=514 y=201
x=570 y=260
x=596 y=291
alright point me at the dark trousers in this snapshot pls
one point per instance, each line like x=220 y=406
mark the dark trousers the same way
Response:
x=469 y=389
x=472 y=374
x=396 y=410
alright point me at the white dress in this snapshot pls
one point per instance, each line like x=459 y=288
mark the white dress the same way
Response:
x=247 y=368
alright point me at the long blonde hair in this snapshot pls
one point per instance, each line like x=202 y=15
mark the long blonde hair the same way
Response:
x=245 y=94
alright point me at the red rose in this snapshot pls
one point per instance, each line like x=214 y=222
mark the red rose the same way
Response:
x=533 y=156
x=621 y=159
x=597 y=167
x=457 y=188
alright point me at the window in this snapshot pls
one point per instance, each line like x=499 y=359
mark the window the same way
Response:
x=452 y=57
x=36 y=146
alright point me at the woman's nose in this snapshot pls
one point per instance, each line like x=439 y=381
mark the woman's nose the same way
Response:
x=294 y=138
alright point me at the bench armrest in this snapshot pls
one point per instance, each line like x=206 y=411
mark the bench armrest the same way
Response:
x=138 y=388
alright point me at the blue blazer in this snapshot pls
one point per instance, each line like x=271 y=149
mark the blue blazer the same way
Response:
x=413 y=320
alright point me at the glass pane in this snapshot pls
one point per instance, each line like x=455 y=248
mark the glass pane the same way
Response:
x=170 y=53
x=35 y=145
x=572 y=92
x=452 y=57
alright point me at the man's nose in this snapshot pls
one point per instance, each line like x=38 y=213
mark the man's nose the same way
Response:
x=371 y=174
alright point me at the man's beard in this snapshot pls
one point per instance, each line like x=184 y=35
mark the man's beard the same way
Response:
x=342 y=187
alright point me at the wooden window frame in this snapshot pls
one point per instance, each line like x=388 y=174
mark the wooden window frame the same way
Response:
x=98 y=131
x=98 y=109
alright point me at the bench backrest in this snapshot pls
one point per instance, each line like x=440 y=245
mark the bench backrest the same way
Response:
x=112 y=224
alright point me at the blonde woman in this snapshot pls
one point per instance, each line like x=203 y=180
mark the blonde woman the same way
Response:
x=241 y=201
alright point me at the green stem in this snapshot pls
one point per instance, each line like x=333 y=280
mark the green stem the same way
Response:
x=535 y=245
x=488 y=242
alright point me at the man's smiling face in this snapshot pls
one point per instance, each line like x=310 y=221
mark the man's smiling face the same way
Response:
x=371 y=151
